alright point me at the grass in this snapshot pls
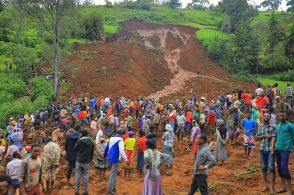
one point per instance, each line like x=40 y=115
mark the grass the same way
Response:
x=269 y=80
x=110 y=29
x=208 y=36
x=114 y=16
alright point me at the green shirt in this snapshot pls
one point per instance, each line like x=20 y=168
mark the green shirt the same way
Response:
x=285 y=135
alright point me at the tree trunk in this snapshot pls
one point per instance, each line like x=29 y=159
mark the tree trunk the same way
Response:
x=56 y=48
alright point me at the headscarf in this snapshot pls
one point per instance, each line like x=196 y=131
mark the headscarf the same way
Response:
x=170 y=131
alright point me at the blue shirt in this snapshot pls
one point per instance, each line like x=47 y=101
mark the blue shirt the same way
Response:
x=249 y=124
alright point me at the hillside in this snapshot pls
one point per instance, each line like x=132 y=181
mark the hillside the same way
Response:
x=148 y=60
x=26 y=50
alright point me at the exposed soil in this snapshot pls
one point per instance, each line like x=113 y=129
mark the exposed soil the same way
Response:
x=161 y=61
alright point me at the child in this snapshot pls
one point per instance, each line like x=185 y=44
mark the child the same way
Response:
x=100 y=165
x=249 y=126
x=222 y=135
x=130 y=148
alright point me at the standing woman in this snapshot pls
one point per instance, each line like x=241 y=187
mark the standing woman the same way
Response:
x=222 y=136
x=195 y=133
x=168 y=142
x=153 y=159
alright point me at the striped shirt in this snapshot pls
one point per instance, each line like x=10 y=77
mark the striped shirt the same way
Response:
x=266 y=144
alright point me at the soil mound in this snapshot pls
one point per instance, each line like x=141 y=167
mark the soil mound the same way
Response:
x=154 y=60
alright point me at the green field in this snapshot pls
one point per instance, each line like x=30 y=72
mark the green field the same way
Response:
x=114 y=16
x=269 y=80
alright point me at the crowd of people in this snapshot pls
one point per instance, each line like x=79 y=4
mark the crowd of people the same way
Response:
x=113 y=132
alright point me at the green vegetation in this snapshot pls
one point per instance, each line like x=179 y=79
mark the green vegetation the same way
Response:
x=269 y=80
x=16 y=98
x=241 y=39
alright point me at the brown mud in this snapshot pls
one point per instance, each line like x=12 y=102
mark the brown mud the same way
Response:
x=153 y=60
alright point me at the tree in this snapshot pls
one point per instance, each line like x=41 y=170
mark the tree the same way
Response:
x=88 y=2
x=238 y=11
x=200 y=4
x=93 y=25
x=275 y=48
x=290 y=4
x=50 y=14
x=1 y=5
x=247 y=49
x=108 y=3
x=289 y=47
x=271 y=4
x=174 y=4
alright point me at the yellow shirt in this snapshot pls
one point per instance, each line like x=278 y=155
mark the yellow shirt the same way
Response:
x=130 y=143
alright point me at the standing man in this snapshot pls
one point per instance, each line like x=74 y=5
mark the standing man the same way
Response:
x=284 y=143
x=204 y=161
x=114 y=151
x=181 y=120
x=259 y=91
x=85 y=152
x=266 y=134
x=249 y=126
x=51 y=154
x=289 y=95
x=13 y=170
x=32 y=173
x=71 y=140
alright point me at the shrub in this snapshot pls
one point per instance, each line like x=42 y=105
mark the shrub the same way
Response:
x=286 y=76
x=41 y=87
x=93 y=25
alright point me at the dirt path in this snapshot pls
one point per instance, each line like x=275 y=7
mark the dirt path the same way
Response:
x=172 y=57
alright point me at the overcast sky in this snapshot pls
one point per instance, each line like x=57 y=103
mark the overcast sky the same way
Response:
x=184 y=2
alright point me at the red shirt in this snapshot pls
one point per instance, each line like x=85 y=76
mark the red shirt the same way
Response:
x=137 y=106
x=142 y=144
x=189 y=117
x=211 y=118
x=247 y=98
x=125 y=136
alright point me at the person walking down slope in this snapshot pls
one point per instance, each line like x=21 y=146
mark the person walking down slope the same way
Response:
x=153 y=159
x=204 y=161
x=51 y=155
x=113 y=152
x=85 y=152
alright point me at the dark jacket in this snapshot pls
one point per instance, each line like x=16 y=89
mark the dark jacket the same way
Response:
x=70 y=144
x=85 y=150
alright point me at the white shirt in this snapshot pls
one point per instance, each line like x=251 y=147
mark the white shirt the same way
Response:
x=99 y=134
x=259 y=91
x=13 y=169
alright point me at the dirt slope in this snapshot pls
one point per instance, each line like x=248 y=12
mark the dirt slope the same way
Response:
x=147 y=60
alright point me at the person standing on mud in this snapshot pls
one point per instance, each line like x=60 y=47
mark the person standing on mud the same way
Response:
x=85 y=152
x=51 y=155
x=284 y=144
x=249 y=126
x=266 y=134
x=204 y=161
x=32 y=173
x=114 y=151
x=71 y=140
